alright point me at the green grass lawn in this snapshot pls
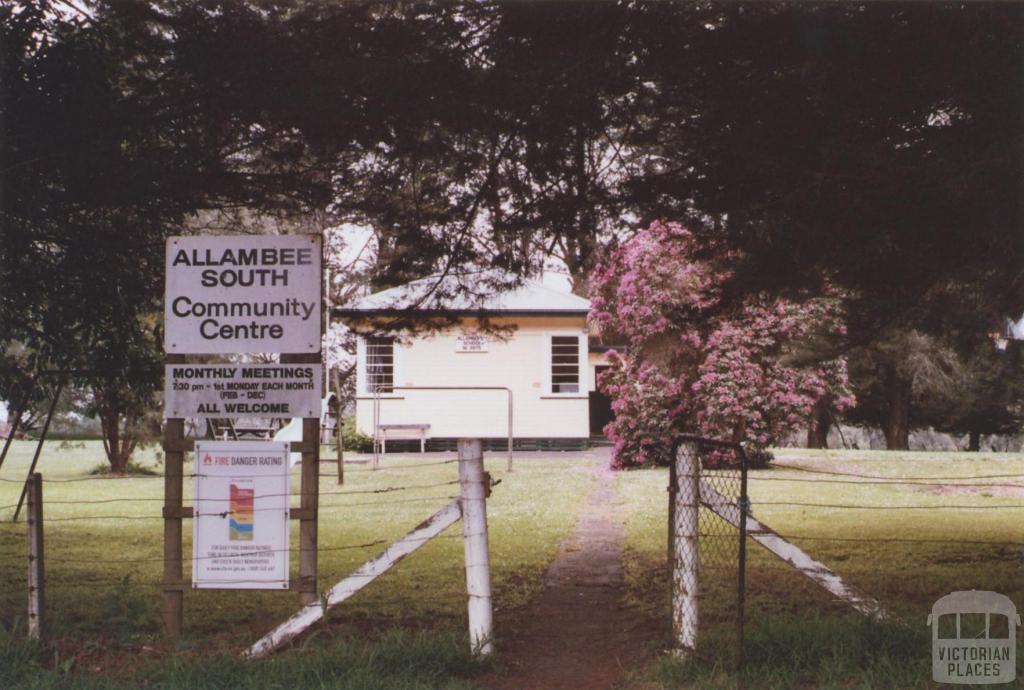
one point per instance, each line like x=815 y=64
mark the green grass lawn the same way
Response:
x=920 y=543
x=407 y=630
x=103 y=559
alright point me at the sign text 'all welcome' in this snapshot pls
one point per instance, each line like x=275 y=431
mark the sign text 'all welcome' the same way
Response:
x=242 y=293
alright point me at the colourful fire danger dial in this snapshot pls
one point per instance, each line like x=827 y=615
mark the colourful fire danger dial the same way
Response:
x=241 y=510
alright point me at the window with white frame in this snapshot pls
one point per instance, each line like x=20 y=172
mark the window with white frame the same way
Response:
x=565 y=364
x=380 y=365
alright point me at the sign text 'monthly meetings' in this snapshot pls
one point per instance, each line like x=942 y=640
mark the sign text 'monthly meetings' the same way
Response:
x=243 y=390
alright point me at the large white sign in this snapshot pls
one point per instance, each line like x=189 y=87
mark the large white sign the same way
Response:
x=242 y=293
x=242 y=390
x=240 y=526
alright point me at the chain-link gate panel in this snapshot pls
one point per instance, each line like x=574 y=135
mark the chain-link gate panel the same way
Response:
x=708 y=551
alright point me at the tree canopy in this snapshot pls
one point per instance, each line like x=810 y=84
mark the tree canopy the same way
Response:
x=873 y=148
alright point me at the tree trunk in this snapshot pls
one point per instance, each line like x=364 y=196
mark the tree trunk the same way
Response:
x=118 y=449
x=581 y=249
x=974 y=441
x=739 y=432
x=821 y=421
x=897 y=422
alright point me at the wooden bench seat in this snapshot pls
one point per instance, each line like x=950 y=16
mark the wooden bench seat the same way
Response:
x=420 y=431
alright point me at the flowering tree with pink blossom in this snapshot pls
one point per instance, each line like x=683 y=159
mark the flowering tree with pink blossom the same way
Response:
x=745 y=371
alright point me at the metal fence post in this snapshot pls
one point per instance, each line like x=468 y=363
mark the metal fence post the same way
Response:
x=509 y=391
x=376 y=428
x=36 y=591
x=339 y=427
x=741 y=584
x=685 y=566
x=474 y=487
x=673 y=494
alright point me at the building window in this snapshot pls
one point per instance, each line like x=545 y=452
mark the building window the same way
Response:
x=380 y=365
x=565 y=364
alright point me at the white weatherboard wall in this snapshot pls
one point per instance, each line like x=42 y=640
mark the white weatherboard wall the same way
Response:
x=522 y=362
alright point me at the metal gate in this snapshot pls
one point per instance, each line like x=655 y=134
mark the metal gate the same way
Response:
x=707 y=550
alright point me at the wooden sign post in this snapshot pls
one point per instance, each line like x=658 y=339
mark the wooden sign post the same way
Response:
x=309 y=488
x=241 y=294
x=174 y=512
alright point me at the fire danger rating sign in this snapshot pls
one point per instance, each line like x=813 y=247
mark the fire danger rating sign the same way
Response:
x=242 y=390
x=242 y=293
x=240 y=525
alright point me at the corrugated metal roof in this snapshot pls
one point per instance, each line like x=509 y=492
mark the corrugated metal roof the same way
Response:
x=530 y=296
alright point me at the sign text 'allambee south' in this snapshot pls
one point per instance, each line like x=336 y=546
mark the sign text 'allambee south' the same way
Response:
x=242 y=293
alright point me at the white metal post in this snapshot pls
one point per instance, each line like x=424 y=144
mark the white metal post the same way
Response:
x=685 y=570
x=376 y=426
x=473 y=488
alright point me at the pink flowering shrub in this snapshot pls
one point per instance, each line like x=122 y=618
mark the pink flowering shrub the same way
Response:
x=746 y=374
x=648 y=407
x=750 y=385
x=652 y=283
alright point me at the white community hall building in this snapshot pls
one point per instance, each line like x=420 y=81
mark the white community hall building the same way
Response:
x=426 y=390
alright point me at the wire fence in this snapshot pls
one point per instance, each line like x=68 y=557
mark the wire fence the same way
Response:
x=383 y=469
x=902 y=537
x=714 y=473
x=128 y=573
x=830 y=529
x=1005 y=496
x=1010 y=491
x=400 y=488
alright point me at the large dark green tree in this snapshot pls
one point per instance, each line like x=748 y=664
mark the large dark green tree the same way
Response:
x=901 y=379
x=564 y=82
x=875 y=148
x=989 y=395
x=876 y=145
x=112 y=136
x=990 y=399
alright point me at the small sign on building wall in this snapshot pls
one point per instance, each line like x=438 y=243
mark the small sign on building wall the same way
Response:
x=471 y=342
x=240 y=527
x=242 y=390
